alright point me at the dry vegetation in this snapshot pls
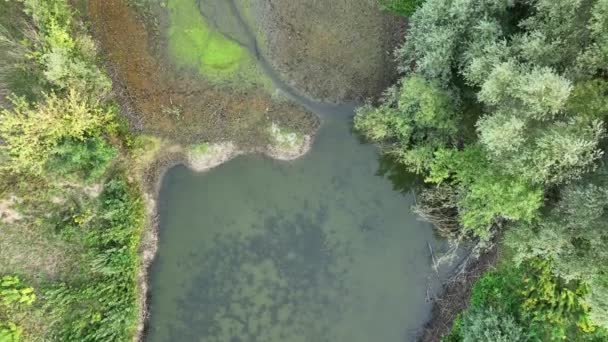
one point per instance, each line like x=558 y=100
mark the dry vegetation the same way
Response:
x=335 y=50
x=176 y=104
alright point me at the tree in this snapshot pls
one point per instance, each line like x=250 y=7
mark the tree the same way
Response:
x=573 y=233
x=440 y=32
x=530 y=132
x=486 y=194
x=414 y=120
x=539 y=124
x=522 y=143
x=598 y=300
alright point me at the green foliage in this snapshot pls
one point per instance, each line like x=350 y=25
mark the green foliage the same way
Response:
x=87 y=159
x=13 y=293
x=589 y=99
x=401 y=7
x=65 y=137
x=104 y=308
x=598 y=300
x=538 y=113
x=413 y=121
x=530 y=133
x=552 y=305
x=441 y=30
x=529 y=78
x=526 y=303
x=486 y=193
x=68 y=62
x=10 y=332
x=495 y=290
x=14 y=296
x=32 y=132
x=455 y=334
x=486 y=325
x=573 y=233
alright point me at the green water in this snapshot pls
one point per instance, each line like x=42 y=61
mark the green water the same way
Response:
x=319 y=249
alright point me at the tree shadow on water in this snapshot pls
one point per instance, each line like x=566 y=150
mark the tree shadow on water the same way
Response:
x=403 y=181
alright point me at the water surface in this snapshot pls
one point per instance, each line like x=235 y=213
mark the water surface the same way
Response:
x=319 y=249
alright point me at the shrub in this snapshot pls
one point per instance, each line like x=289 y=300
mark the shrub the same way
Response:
x=527 y=300
x=10 y=332
x=87 y=160
x=487 y=325
x=555 y=308
x=14 y=294
x=67 y=63
x=31 y=132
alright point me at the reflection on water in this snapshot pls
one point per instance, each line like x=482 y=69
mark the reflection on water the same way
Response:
x=319 y=249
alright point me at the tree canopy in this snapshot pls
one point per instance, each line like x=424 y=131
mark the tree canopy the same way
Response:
x=504 y=104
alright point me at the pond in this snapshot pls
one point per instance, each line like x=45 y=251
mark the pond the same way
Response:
x=317 y=249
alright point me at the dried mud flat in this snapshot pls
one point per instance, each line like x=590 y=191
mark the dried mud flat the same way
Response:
x=332 y=50
x=163 y=101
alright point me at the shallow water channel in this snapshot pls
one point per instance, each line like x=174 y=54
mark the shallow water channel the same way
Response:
x=317 y=249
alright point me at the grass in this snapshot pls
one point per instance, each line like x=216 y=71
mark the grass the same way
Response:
x=72 y=232
x=16 y=39
x=199 y=149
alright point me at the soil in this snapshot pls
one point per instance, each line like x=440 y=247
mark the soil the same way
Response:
x=333 y=50
x=174 y=104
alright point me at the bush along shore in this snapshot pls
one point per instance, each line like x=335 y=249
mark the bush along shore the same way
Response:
x=78 y=184
x=502 y=107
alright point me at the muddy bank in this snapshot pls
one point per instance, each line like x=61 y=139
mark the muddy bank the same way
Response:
x=333 y=50
x=150 y=177
x=171 y=103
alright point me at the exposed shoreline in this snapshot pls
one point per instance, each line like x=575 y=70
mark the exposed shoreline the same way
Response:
x=151 y=182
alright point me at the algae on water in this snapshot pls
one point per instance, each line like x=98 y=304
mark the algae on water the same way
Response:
x=194 y=42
